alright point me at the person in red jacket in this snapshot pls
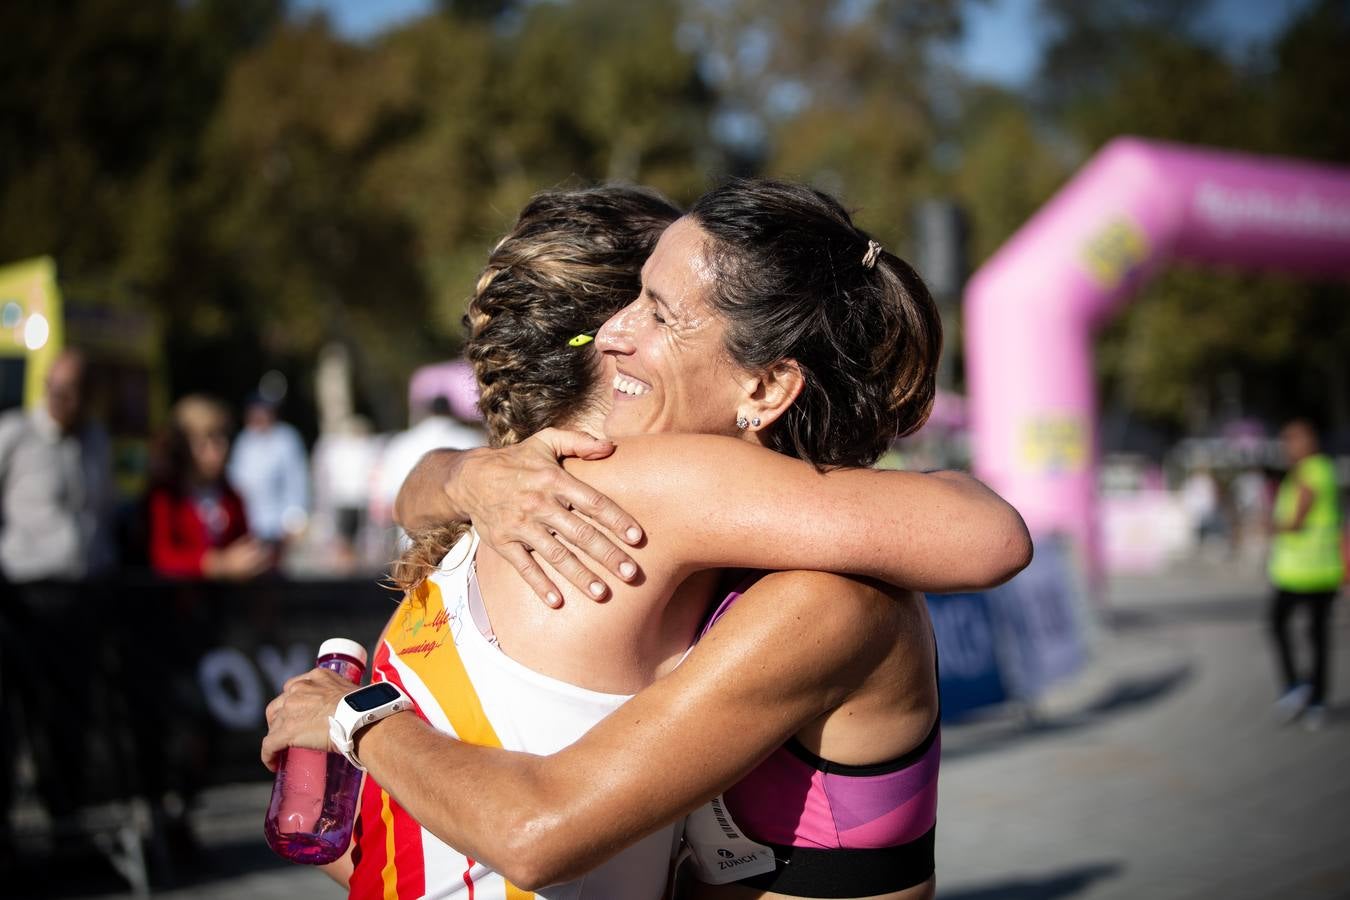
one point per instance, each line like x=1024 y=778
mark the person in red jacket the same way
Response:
x=197 y=523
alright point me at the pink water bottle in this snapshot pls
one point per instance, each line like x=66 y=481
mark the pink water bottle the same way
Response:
x=314 y=798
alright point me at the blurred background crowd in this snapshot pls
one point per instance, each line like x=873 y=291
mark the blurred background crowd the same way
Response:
x=237 y=239
x=308 y=190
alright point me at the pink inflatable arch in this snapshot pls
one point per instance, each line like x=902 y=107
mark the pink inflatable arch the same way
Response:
x=1031 y=310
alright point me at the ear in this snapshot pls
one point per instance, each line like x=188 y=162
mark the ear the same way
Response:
x=771 y=392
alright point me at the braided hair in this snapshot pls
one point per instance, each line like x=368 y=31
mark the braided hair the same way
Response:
x=573 y=259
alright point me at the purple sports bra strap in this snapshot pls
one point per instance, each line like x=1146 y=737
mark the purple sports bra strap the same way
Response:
x=741 y=587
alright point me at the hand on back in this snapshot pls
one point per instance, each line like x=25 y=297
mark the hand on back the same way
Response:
x=520 y=500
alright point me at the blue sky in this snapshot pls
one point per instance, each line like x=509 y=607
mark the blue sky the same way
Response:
x=1002 y=41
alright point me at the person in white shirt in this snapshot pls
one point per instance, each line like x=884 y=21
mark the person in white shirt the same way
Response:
x=56 y=484
x=268 y=468
x=437 y=429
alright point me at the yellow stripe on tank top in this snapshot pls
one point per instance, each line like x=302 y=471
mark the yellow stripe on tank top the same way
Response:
x=389 y=874
x=455 y=695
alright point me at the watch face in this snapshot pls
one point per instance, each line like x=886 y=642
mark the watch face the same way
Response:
x=372 y=696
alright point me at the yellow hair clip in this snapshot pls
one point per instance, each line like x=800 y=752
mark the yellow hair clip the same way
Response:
x=581 y=340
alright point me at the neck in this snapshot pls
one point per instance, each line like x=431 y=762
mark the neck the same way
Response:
x=591 y=421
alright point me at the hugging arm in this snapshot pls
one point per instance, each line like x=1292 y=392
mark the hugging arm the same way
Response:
x=540 y=820
x=715 y=501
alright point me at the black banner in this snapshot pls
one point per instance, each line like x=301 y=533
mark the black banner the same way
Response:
x=138 y=686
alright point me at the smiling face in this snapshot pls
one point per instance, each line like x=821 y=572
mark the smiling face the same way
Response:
x=664 y=355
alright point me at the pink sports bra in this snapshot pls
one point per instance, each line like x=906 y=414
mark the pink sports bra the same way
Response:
x=839 y=830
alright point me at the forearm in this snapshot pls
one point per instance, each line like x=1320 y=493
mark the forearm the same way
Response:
x=426 y=772
x=423 y=501
x=716 y=502
x=341 y=871
x=540 y=820
x=943 y=531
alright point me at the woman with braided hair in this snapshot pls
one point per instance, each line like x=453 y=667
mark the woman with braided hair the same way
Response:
x=765 y=322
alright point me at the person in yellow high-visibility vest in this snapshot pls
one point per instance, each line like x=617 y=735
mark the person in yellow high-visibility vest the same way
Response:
x=1306 y=567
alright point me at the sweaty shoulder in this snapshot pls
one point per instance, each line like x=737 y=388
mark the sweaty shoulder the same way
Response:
x=842 y=611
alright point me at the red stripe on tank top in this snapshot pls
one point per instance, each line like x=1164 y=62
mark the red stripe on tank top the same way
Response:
x=409 y=860
x=468 y=878
x=369 y=857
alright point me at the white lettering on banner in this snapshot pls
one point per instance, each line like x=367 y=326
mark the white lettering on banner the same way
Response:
x=1230 y=208
x=965 y=641
x=280 y=669
x=232 y=688
x=235 y=691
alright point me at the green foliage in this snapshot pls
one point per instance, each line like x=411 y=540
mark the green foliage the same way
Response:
x=1008 y=169
x=267 y=186
x=1196 y=346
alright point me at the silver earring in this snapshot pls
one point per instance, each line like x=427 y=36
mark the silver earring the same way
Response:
x=755 y=421
x=742 y=423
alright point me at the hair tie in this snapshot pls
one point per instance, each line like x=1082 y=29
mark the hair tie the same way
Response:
x=869 y=259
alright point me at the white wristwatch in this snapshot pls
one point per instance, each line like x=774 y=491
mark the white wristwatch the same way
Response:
x=362 y=707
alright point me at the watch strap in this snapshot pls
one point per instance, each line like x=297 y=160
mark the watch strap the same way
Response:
x=346 y=723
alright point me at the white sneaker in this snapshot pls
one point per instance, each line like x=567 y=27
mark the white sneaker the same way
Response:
x=1291 y=705
x=1314 y=717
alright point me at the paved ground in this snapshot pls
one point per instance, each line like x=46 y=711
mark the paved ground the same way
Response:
x=1157 y=774
x=1161 y=774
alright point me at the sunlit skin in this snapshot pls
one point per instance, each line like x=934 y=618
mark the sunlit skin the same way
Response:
x=666 y=365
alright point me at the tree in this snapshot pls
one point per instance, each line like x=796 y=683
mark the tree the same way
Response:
x=836 y=94
x=1196 y=347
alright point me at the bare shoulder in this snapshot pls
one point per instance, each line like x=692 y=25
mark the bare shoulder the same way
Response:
x=840 y=608
x=804 y=583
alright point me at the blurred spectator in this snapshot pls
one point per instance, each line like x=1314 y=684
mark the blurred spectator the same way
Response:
x=56 y=487
x=1251 y=506
x=439 y=428
x=56 y=500
x=1200 y=498
x=344 y=463
x=269 y=470
x=198 y=528
x=1305 y=567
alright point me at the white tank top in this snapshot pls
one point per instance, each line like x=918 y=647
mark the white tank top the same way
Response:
x=464 y=685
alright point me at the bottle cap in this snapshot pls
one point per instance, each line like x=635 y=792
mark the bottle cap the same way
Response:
x=346 y=647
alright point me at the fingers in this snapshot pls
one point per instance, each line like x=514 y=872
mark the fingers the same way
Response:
x=585 y=499
x=533 y=574
x=273 y=709
x=575 y=443
x=271 y=751
x=566 y=563
x=595 y=544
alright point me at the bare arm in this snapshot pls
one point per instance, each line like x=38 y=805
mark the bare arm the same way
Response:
x=341 y=869
x=717 y=502
x=540 y=820
x=422 y=501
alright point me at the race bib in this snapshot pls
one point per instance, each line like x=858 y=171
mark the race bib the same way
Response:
x=720 y=852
